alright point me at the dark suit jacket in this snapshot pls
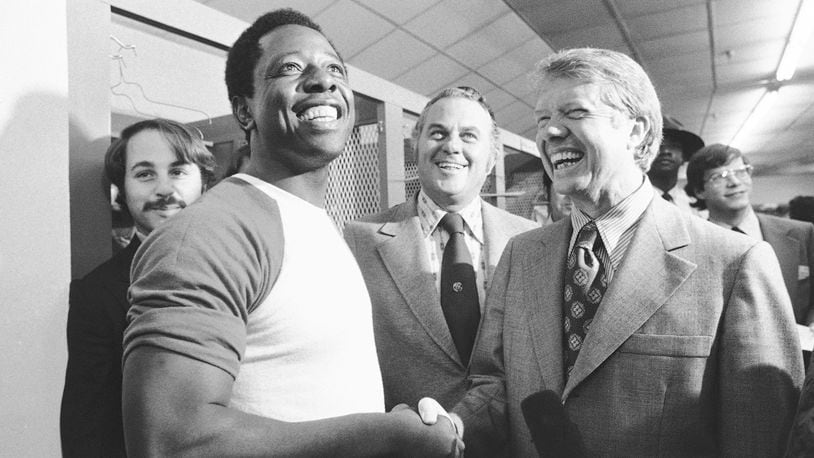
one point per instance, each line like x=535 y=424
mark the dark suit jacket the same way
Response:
x=693 y=351
x=416 y=352
x=793 y=243
x=91 y=416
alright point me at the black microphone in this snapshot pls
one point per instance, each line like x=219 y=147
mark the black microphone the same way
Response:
x=551 y=430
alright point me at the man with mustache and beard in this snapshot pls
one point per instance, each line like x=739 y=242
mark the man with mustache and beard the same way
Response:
x=159 y=167
x=250 y=327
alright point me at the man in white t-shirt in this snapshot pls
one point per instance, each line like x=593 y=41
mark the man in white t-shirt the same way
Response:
x=251 y=331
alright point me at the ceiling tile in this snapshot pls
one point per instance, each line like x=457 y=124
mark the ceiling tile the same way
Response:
x=773 y=14
x=398 y=12
x=492 y=41
x=676 y=21
x=497 y=99
x=664 y=47
x=393 y=55
x=430 y=76
x=249 y=10
x=747 y=33
x=451 y=20
x=351 y=27
x=522 y=87
x=691 y=62
x=476 y=81
x=634 y=8
x=600 y=36
x=522 y=125
x=754 y=71
x=512 y=112
x=521 y=60
x=549 y=17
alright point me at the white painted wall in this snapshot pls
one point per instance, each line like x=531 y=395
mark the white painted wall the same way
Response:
x=34 y=222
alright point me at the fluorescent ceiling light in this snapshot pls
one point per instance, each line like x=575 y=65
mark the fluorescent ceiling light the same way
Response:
x=759 y=112
x=800 y=33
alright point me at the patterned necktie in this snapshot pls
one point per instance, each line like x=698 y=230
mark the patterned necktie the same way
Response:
x=585 y=284
x=666 y=196
x=459 y=292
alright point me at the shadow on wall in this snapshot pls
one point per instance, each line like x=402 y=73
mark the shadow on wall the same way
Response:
x=34 y=270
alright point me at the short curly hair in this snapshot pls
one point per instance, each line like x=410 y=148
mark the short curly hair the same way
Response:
x=245 y=52
x=187 y=145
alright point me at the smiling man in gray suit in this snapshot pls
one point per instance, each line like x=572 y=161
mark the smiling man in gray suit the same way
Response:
x=655 y=332
x=401 y=251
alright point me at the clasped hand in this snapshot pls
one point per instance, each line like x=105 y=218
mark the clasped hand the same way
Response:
x=426 y=435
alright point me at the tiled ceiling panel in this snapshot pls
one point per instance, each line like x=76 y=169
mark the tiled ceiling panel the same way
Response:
x=393 y=55
x=249 y=10
x=498 y=38
x=675 y=21
x=358 y=29
x=772 y=14
x=497 y=98
x=635 y=8
x=443 y=69
x=665 y=47
x=399 y=12
x=476 y=81
x=600 y=36
x=512 y=112
x=551 y=17
x=450 y=20
x=522 y=87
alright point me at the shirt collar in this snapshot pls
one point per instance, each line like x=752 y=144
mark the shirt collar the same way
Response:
x=430 y=214
x=749 y=225
x=613 y=223
x=142 y=236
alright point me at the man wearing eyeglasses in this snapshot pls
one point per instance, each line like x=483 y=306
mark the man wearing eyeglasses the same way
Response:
x=425 y=316
x=720 y=177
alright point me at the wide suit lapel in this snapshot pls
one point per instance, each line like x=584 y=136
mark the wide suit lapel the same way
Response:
x=496 y=230
x=406 y=261
x=648 y=275
x=543 y=273
x=786 y=248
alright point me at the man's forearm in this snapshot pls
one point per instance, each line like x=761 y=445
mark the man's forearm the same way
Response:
x=177 y=406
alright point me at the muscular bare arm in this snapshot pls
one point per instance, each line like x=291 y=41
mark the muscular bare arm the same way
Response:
x=177 y=406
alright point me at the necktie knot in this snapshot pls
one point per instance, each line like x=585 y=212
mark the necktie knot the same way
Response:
x=587 y=236
x=453 y=223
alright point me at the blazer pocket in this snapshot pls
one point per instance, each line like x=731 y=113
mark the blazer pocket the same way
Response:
x=667 y=345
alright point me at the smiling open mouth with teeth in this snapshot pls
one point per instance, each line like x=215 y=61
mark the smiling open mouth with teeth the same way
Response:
x=450 y=165
x=319 y=113
x=565 y=159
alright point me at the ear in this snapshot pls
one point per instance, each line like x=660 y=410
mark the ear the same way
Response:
x=638 y=132
x=700 y=194
x=242 y=112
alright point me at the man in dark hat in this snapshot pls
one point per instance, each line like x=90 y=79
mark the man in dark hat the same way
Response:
x=676 y=148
